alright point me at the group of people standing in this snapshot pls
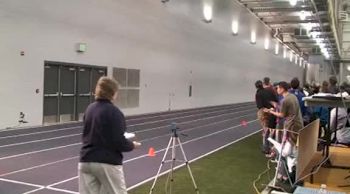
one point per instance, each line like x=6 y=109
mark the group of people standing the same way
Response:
x=281 y=106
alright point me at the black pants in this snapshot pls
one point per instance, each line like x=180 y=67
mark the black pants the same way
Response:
x=271 y=124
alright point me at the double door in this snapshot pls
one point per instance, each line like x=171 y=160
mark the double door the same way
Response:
x=68 y=90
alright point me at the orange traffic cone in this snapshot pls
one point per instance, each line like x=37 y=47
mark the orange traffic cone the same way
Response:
x=244 y=123
x=151 y=152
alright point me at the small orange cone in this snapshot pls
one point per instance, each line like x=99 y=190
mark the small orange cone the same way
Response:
x=244 y=123
x=151 y=152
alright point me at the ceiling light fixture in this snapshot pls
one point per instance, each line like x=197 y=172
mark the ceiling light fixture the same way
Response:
x=302 y=15
x=208 y=13
x=253 y=37
x=234 y=27
x=293 y=2
x=267 y=43
x=277 y=48
x=348 y=67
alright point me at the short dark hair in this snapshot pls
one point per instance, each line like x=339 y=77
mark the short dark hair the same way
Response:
x=345 y=87
x=295 y=83
x=333 y=80
x=266 y=80
x=284 y=85
x=259 y=84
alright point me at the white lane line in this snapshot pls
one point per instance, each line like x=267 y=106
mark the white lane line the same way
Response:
x=181 y=117
x=35 y=190
x=62 y=190
x=191 y=121
x=40 y=132
x=191 y=129
x=188 y=111
x=137 y=131
x=192 y=140
x=193 y=160
x=71 y=158
x=38 y=166
x=66 y=180
x=41 y=140
x=59 y=147
x=38 y=151
x=22 y=183
x=161 y=150
x=62 y=129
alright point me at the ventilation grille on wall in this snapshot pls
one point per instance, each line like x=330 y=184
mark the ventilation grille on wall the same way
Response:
x=300 y=32
x=129 y=81
x=343 y=16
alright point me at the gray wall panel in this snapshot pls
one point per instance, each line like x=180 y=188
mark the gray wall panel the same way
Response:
x=165 y=41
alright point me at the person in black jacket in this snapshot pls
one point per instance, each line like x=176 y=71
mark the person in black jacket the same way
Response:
x=265 y=99
x=100 y=166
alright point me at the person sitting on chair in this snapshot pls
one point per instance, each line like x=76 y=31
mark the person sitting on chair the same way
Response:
x=342 y=131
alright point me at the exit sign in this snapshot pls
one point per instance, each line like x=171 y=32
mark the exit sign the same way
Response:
x=81 y=47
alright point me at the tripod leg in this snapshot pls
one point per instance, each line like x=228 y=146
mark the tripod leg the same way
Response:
x=173 y=160
x=188 y=165
x=161 y=165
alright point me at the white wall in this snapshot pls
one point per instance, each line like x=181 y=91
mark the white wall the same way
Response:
x=165 y=41
x=320 y=68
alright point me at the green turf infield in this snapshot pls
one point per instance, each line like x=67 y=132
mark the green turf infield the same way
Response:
x=231 y=170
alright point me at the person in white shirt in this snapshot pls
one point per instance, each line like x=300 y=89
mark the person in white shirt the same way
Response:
x=341 y=131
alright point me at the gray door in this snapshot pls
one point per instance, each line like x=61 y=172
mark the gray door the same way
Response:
x=84 y=91
x=67 y=105
x=68 y=90
x=51 y=91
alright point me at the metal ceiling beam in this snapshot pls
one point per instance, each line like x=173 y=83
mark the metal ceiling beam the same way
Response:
x=274 y=9
x=262 y=1
x=291 y=22
x=297 y=25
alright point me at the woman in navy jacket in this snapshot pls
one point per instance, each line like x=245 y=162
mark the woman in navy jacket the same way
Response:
x=100 y=167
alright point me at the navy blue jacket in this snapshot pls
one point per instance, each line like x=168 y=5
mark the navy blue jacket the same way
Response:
x=300 y=95
x=103 y=135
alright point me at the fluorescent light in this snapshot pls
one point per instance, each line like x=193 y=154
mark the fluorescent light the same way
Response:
x=267 y=43
x=253 y=37
x=318 y=40
x=208 y=13
x=301 y=62
x=322 y=45
x=284 y=52
x=327 y=55
x=293 y=2
x=277 y=48
x=234 y=27
x=302 y=15
x=291 y=56
x=296 y=59
x=348 y=67
x=308 y=26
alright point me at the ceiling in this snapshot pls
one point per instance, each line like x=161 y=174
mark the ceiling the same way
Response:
x=308 y=36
